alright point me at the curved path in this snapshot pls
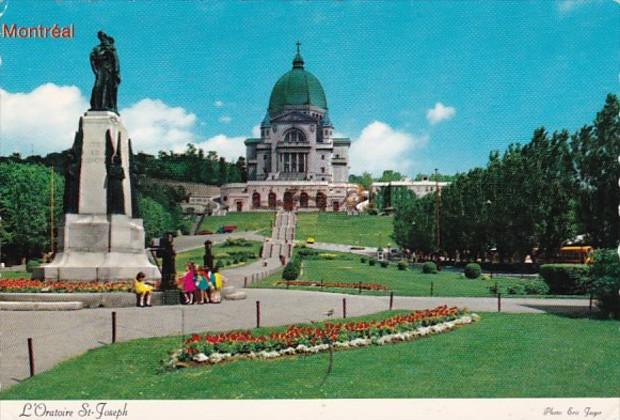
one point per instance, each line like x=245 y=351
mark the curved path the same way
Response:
x=58 y=336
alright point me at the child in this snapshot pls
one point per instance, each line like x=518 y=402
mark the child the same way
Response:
x=143 y=291
x=189 y=283
x=216 y=286
x=203 y=285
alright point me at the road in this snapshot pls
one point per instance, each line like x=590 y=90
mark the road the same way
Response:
x=58 y=336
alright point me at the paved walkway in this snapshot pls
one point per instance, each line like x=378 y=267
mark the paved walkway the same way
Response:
x=189 y=242
x=58 y=336
x=343 y=248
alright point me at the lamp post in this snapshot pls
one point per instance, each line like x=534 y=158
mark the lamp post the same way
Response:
x=0 y=245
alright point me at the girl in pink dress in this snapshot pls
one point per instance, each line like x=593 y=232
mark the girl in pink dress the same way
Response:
x=189 y=283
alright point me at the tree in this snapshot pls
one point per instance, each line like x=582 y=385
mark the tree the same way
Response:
x=25 y=208
x=414 y=224
x=365 y=180
x=390 y=175
x=157 y=220
x=595 y=152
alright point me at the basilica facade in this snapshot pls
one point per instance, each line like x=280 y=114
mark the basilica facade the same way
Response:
x=296 y=163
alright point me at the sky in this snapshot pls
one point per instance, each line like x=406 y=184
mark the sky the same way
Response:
x=416 y=85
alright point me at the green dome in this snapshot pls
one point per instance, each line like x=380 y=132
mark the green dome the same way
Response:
x=297 y=87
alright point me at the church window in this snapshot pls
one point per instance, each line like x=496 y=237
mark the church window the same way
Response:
x=294 y=136
x=322 y=157
x=322 y=170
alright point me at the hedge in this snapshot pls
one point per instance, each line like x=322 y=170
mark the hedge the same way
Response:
x=402 y=266
x=566 y=279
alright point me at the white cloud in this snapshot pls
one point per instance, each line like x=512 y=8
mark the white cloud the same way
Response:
x=256 y=131
x=440 y=113
x=46 y=119
x=218 y=104
x=225 y=119
x=43 y=120
x=154 y=126
x=381 y=147
x=567 y=6
x=229 y=147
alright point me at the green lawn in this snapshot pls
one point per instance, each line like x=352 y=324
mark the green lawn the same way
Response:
x=339 y=228
x=246 y=221
x=219 y=252
x=503 y=355
x=412 y=282
x=15 y=275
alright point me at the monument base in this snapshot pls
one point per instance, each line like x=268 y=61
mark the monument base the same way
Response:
x=101 y=248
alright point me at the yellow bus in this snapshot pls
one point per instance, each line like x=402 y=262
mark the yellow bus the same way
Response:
x=575 y=255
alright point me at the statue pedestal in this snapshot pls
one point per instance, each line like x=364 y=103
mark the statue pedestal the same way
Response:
x=95 y=245
x=99 y=247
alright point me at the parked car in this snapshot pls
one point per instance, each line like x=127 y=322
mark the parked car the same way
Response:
x=310 y=240
x=205 y=232
x=227 y=229
x=395 y=254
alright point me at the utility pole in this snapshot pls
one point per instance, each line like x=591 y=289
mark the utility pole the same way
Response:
x=52 y=210
x=437 y=212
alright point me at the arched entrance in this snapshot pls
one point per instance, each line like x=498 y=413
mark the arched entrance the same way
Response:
x=303 y=200
x=288 y=201
x=256 y=200
x=321 y=201
x=336 y=206
x=272 y=200
x=239 y=205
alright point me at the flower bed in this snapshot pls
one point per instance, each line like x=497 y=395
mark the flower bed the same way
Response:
x=338 y=284
x=60 y=286
x=212 y=349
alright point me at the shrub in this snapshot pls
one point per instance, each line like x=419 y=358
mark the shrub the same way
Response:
x=237 y=242
x=363 y=260
x=472 y=271
x=327 y=256
x=235 y=261
x=402 y=266
x=429 y=267
x=292 y=269
x=606 y=282
x=384 y=264
x=516 y=289
x=372 y=261
x=32 y=264
x=307 y=252
x=219 y=264
x=566 y=279
x=536 y=287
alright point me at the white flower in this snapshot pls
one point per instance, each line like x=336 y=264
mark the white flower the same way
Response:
x=200 y=358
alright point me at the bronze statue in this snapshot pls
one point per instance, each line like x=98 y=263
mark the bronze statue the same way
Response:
x=207 y=259
x=105 y=65
x=115 y=177
x=133 y=178
x=72 y=176
x=168 y=262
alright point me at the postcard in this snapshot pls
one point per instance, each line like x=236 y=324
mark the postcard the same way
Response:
x=303 y=210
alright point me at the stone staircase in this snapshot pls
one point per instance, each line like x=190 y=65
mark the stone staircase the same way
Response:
x=282 y=236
